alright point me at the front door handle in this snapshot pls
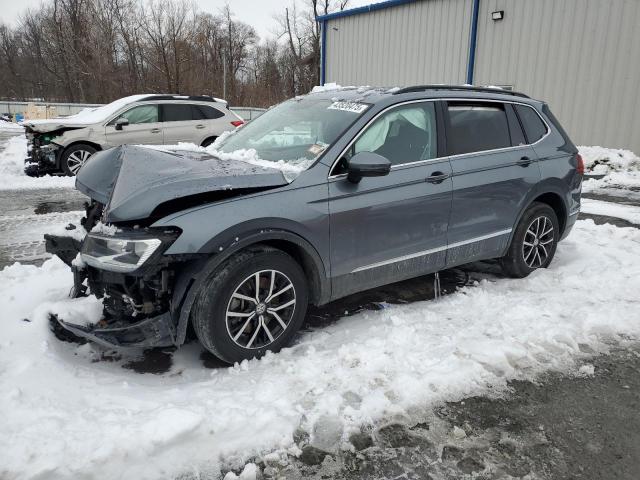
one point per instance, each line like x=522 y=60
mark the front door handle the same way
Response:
x=155 y=130
x=524 y=162
x=437 y=177
x=200 y=126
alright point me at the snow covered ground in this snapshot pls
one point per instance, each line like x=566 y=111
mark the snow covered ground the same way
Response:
x=65 y=416
x=630 y=213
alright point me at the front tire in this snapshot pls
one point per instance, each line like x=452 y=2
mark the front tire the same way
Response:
x=255 y=302
x=534 y=242
x=74 y=157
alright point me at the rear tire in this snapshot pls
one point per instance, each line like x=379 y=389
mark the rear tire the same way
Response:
x=234 y=326
x=534 y=242
x=74 y=157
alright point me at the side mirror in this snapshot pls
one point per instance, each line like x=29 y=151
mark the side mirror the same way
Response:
x=121 y=122
x=367 y=164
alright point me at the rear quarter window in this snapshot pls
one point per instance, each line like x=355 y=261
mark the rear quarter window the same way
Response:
x=477 y=126
x=205 y=112
x=534 y=127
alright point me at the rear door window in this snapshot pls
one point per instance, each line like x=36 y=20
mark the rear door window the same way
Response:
x=176 y=112
x=477 y=126
x=205 y=112
x=533 y=125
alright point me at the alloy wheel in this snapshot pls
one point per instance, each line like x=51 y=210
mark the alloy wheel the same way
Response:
x=77 y=159
x=260 y=309
x=538 y=240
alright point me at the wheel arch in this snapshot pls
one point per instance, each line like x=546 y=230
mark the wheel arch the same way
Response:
x=213 y=138
x=549 y=192
x=63 y=150
x=191 y=277
x=554 y=200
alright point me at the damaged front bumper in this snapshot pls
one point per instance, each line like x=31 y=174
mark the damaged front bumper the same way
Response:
x=42 y=157
x=138 y=309
x=155 y=331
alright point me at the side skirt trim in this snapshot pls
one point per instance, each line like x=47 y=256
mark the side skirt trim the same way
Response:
x=432 y=250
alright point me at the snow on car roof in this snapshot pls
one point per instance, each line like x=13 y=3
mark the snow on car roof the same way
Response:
x=91 y=115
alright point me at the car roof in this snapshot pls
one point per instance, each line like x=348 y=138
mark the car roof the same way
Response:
x=378 y=94
x=193 y=98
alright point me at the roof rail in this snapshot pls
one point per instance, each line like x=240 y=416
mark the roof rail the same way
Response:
x=198 y=98
x=468 y=88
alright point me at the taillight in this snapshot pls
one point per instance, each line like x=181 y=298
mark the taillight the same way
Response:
x=579 y=164
x=237 y=123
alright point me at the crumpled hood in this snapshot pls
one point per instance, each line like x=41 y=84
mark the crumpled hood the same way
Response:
x=44 y=126
x=132 y=181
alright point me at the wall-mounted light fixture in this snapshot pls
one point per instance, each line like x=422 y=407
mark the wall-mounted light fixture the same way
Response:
x=498 y=15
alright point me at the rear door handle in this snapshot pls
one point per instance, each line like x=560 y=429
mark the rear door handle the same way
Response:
x=437 y=177
x=524 y=162
x=200 y=126
x=155 y=130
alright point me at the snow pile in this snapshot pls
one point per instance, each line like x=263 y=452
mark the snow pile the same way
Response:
x=12 y=176
x=621 y=169
x=65 y=416
x=600 y=161
x=328 y=87
x=6 y=126
x=290 y=169
x=89 y=115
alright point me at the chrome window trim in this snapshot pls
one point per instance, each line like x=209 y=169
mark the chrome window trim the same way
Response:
x=446 y=99
x=431 y=251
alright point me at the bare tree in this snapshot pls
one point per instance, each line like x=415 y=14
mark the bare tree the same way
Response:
x=99 y=50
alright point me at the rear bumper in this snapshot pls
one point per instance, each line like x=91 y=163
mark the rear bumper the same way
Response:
x=571 y=221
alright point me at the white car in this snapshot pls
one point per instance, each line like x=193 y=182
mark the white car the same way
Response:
x=64 y=144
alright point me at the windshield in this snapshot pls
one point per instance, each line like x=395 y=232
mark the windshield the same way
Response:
x=293 y=134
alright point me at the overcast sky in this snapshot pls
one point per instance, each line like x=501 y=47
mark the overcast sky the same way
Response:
x=258 y=13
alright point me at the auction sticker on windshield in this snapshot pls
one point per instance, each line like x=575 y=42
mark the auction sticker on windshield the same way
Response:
x=348 y=106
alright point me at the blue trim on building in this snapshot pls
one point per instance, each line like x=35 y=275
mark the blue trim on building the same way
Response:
x=364 y=9
x=323 y=52
x=473 y=41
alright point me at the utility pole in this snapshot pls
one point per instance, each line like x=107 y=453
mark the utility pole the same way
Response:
x=224 y=76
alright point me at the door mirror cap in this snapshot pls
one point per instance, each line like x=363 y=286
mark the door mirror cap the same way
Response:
x=367 y=164
x=121 y=122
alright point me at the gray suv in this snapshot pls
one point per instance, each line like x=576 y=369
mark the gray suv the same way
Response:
x=64 y=144
x=322 y=196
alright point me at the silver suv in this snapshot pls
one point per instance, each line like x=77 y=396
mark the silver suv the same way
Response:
x=64 y=144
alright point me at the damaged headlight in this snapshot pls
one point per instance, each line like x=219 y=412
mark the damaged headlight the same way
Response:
x=49 y=151
x=120 y=254
x=49 y=147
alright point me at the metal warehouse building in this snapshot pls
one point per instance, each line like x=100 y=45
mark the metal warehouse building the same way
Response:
x=580 y=56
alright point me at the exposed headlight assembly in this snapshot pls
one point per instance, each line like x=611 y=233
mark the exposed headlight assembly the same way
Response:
x=119 y=253
x=49 y=147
